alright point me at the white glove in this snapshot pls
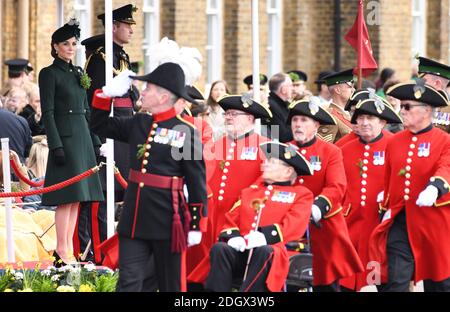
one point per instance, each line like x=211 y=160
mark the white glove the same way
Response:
x=237 y=243
x=104 y=150
x=194 y=238
x=255 y=239
x=119 y=85
x=428 y=196
x=380 y=197
x=316 y=214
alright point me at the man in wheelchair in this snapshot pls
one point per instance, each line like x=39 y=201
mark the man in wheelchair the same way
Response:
x=251 y=246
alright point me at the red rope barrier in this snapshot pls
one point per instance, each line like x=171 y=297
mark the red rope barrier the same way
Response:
x=120 y=178
x=54 y=187
x=22 y=177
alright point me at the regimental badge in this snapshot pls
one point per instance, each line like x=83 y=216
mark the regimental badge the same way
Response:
x=283 y=197
x=419 y=88
x=249 y=153
x=378 y=158
x=315 y=162
x=424 y=149
x=170 y=137
x=313 y=105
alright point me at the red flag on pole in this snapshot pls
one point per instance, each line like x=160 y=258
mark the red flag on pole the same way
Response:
x=358 y=37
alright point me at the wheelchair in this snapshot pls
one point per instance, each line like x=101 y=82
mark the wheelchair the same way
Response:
x=300 y=276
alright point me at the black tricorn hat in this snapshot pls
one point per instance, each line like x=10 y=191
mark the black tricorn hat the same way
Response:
x=169 y=76
x=123 y=14
x=288 y=153
x=194 y=93
x=67 y=31
x=418 y=91
x=246 y=104
x=249 y=80
x=297 y=75
x=16 y=66
x=310 y=108
x=377 y=108
x=363 y=94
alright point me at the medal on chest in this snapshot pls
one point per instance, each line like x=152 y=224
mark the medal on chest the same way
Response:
x=424 y=149
x=170 y=137
x=249 y=153
x=283 y=197
x=315 y=162
x=378 y=158
x=441 y=118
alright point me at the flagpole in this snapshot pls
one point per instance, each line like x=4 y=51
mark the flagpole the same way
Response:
x=255 y=54
x=360 y=42
x=110 y=201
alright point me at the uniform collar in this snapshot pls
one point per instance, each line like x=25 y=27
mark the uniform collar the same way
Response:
x=424 y=130
x=170 y=113
x=62 y=64
x=309 y=143
x=282 y=183
x=379 y=137
x=242 y=136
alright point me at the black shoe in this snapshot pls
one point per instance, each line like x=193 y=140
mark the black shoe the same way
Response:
x=58 y=262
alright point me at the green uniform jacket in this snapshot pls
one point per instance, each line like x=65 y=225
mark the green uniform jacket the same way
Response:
x=65 y=114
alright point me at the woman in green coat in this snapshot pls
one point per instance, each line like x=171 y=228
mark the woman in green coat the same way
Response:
x=65 y=114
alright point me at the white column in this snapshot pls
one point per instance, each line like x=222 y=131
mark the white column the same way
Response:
x=110 y=200
x=8 y=204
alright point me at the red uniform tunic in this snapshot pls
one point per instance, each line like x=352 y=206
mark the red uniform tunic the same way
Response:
x=346 y=139
x=285 y=217
x=364 y=169
x=237 y=165
x=412 y=162
x=196 y=253
x=334 y=255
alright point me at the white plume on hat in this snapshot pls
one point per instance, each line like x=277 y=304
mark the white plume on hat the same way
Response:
x=168 y=51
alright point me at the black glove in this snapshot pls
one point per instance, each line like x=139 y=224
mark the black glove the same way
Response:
x=381 y=213
x=59 y=156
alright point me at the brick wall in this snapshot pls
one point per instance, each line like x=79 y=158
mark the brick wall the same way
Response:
x=395 y=46
x=433 y=30
x=445 y=32
x=307 y=33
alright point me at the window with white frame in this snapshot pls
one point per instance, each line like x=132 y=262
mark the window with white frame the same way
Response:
x=82 y=10
x=60 y=12
x=419 y=25
x=151 y=29
x=274 y=14
x=214 y=42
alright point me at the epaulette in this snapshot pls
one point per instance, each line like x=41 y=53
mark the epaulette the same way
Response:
x=99 y=51
x=186 y=122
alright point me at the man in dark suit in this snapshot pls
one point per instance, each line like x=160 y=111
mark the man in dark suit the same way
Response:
x=17 y=130
x=165 y=153
x=281 y=90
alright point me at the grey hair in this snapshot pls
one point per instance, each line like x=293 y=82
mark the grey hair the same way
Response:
x=172 y=97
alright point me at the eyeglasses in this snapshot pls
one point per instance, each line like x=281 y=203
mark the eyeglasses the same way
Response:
x=408 y=106
x=233 y=114
x=350 y=84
